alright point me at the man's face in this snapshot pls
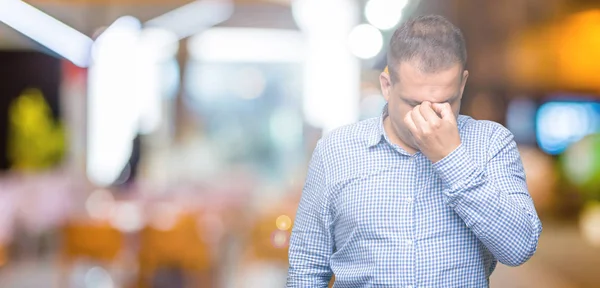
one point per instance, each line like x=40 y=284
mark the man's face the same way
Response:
x=412 y=87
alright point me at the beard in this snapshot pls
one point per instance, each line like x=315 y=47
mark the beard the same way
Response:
x=403 y=134
x=407 y=137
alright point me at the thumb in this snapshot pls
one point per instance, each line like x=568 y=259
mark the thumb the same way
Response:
x=444 y=110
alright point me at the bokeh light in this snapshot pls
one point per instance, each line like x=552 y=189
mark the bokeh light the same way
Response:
x=314 y=15
x=283 y=222
x=100 y=204
x=280 y=239
x=97 y=277
x=589 y=223
x=127 y=217
x=581 y=164
x=384 y=14
x=365 y=41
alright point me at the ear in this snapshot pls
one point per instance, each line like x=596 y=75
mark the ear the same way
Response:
x=386 y=84
x=464 y=82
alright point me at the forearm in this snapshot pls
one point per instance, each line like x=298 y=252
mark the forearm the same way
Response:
x=311 y=243
x=505 y=226
x=307 y=266
x=497 y=209
x=309 y=254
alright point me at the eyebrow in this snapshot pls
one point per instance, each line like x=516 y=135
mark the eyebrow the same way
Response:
x=415 y=103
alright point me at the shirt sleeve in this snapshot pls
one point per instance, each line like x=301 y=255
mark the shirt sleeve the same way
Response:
x=493 y=199
x=311 y=243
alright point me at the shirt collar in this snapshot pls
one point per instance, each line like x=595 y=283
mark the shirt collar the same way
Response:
x=379 y=132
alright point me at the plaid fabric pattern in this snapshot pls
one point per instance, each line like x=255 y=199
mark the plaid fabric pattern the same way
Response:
x=376 y=216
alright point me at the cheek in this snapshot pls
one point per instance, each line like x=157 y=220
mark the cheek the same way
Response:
x=456 y=108
x=398 y=112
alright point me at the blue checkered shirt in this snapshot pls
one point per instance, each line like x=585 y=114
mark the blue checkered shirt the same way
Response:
x=375 y=216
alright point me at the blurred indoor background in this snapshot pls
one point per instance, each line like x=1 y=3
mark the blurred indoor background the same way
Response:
x=164 y=143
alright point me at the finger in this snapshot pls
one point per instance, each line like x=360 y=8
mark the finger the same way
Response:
x=444 y=110
x=412 y=127
x=428 y=113
x=418 y=118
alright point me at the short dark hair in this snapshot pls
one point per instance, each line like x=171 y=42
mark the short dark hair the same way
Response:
x=433 y=41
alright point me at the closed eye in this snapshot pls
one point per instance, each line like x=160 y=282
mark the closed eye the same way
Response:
x=412 y=103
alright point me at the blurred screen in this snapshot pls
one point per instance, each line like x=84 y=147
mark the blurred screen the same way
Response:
x=520 y=120
x=561 y=123
x=252 y=110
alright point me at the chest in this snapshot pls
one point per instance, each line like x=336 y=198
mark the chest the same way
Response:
x=400 y=201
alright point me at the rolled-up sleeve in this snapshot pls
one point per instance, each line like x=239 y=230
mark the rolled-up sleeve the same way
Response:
x=493 y=199
x=311 y=244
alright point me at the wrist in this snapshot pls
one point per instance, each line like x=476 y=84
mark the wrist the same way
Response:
x=455 y=168
x=442 y=155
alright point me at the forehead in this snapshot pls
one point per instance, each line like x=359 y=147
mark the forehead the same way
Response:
x=421 y=86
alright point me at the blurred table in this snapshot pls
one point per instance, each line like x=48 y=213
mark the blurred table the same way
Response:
x=563 y=260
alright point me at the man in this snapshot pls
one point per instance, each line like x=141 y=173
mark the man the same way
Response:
x=419 y=197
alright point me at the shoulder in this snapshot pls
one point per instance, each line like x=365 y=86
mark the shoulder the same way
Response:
x=349 y=137
x=485 y=137
x=344 y=150
x=481 y=129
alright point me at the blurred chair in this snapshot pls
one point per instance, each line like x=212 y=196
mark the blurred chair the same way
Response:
x=98 y=241
x=179 y=246
x=269 y=241
x=264 y=244
x=3 y=256
x=265 y=253
x=95 y=241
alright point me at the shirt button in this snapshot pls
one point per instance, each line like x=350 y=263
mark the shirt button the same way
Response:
x=409 y=286
x=409 y=242
x=409 y=200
